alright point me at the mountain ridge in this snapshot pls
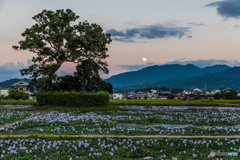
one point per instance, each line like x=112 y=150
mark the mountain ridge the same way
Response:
x=158 y=73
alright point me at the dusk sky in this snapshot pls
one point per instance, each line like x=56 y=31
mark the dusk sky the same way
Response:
x=201 y=32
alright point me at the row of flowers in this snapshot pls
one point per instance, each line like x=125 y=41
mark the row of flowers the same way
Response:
x=108 y=148
x=9 y=116
x=74 y=122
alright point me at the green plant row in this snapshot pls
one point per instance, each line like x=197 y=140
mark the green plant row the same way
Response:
x=73 y=99
x=17 y=102
x=164 y=103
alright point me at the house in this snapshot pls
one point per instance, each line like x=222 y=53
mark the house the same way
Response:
x=3 y=92
x=151 y=93
x=179 y=96
x=140 y=95
x=131 y=95
x=190 y=97
x=117 y=96
x=214 y=91
x=226 y=90
x=20 y=86
x=188 y=92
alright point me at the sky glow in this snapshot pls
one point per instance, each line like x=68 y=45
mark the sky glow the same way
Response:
x=202 y=31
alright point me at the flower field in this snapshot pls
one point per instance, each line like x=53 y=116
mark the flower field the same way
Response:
x=112 y=148
x=144 y=120
x=7 y=116
x=133 y=120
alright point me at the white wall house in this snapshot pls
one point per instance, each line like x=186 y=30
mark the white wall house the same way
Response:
x=187 y=92
x=117 y=96
x=215 y=91
x=151 y=93
x=4 y=92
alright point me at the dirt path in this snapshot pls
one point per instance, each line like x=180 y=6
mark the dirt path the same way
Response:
x=11 y=124
x=117 y=136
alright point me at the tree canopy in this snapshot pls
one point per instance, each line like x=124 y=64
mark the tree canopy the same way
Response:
x=55 y=39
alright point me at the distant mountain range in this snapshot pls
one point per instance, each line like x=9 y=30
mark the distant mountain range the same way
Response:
x=172 y=75
x=8 y=83
x=179 y=76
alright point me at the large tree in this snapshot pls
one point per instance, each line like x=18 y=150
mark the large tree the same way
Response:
x=55 y=39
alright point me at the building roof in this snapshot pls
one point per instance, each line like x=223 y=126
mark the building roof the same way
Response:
x=226 y=89
x=20 y=85
x=214 y=90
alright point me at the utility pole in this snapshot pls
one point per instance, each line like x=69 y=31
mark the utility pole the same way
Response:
x=225 y=84
x=124 y=96
x=157 y=92
x=134 y=93
x=205 y=88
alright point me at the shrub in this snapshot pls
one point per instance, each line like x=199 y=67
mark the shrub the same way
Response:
x=17 y=95
x=217 y=95
x=73 y=99
x=231 y=95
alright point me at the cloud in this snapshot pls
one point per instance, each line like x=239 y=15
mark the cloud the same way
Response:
x=149 y=32
x=5 y=39
x=236 y=26
x=198 y=63
x=115 y=33
x=123 y=40
x=189 y=36
x=227 y=8
x=196 y=24
x=130 y=23
x=10 y=70
x=136 y=67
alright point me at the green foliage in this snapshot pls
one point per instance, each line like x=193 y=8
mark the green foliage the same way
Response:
x=217 y=95
x=197 y=97
x=73 y=99
x=170 y=96
x=17 y=102
x=17 y=95
x=163 y=103
x=69 y=83
x=231 y=95
x=55 y=40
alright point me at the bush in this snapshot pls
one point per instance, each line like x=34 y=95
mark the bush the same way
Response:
x=73 y=99
x=231 y=95
x=170 y=96
x=17 y=95
x=217 y=95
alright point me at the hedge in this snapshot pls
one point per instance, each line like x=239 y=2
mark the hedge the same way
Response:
x=73 y=99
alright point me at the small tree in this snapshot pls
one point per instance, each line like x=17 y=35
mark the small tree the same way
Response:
x=17 y=95
x=170 y=96
x=217 y=95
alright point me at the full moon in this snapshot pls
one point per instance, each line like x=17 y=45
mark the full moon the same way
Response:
x=144 y=59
